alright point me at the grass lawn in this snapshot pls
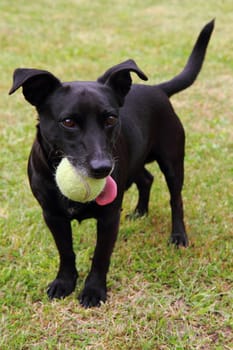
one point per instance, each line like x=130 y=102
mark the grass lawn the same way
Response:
x=159 y=297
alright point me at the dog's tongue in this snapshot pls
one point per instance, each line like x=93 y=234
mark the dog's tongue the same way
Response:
x=109 y=192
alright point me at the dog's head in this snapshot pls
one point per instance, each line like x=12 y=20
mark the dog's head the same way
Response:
x=80 y=120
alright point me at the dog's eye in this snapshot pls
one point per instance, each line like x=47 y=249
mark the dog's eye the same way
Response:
x=69 y=123
x=110 y=121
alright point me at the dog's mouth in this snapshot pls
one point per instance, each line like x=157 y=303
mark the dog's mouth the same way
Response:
x=109 y=192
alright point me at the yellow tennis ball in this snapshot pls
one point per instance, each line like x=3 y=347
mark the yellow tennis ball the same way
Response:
x=74 y=185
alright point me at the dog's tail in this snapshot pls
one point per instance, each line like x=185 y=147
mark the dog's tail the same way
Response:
x=193 y=65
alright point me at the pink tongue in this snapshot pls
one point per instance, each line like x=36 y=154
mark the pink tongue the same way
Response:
x=109 y=192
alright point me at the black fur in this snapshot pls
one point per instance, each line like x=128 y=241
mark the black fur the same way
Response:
x=103 y=125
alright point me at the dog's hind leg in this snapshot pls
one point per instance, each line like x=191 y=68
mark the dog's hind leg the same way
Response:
x=174 y=175
x=143 y=182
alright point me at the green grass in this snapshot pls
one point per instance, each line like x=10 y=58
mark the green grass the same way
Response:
x=159 y=297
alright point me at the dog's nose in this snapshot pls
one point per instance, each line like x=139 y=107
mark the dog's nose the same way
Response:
x=100 y=168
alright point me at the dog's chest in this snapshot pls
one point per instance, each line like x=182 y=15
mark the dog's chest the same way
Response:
x=79 y=211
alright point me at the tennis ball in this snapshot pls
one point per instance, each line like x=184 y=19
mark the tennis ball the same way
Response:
x=74 y=185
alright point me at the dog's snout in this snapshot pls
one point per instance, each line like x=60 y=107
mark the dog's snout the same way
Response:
x=100 y=168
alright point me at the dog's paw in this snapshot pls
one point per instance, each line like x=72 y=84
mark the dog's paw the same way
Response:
x=179 y=239
x=61 y=288
x=92 y=297
x=137 y=214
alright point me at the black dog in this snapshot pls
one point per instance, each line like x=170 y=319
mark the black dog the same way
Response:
x=107 y=126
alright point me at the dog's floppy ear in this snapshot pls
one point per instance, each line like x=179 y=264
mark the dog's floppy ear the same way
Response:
x=37 y=84
x=119 y=79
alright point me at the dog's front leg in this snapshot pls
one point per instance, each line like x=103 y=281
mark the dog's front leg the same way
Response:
x=95 y=289
x=65 y=282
